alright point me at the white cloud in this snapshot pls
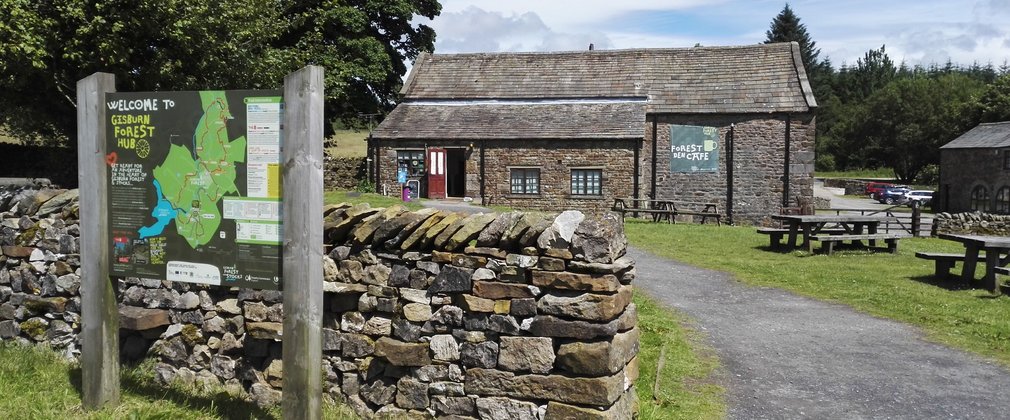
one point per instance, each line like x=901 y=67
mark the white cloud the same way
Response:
x=915 y=31
x=476 y=30
x=571 y=16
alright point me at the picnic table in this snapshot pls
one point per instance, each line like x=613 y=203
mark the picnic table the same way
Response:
x=997 y=254
x=831 y=229
x=667 y=209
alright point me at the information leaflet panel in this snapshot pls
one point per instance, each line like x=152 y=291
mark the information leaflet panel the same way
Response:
x=194 y=186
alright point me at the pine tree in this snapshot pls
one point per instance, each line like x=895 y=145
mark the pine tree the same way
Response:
x=786 y=27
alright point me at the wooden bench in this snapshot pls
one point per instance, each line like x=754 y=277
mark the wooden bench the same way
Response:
x=667 y=209
x=775 y=234
x=659 y=209
x=695 y=208
x=944 y=261
x=1002 y=270
x=829 y=241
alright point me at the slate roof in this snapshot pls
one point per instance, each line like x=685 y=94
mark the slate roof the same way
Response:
x=606 y=120
x=762 y=78
x=983 y=136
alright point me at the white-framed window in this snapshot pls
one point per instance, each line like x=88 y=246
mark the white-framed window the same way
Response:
x=524 y=180
x=587 y=181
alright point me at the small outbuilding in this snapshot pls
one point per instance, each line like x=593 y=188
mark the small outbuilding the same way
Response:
x=975 y=171
x=550 y=131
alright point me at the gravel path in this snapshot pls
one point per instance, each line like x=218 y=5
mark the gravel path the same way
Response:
x=787 y=356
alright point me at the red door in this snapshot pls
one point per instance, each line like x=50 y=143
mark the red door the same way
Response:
x=436 y=173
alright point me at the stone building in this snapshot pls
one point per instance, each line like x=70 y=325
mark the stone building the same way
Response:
x=577 y=129
x=975 y=171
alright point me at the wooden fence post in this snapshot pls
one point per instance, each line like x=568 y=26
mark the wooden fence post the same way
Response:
x=99 y=312
x=916 y=218
x=302 y=209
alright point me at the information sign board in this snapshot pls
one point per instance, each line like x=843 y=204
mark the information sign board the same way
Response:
x=694 y=148
x=194 y=186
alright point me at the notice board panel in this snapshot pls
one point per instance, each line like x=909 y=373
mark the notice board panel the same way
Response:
x=194 y=186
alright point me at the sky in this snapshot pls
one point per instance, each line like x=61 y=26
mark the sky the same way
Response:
x=913 y=31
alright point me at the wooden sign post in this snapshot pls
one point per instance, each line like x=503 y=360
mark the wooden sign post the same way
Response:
x=99 y=312
x=302 y=235
x=302 y=159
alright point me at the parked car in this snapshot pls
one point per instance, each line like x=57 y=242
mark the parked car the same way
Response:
x=894 y=194
x=924 y=197
x=875 y=188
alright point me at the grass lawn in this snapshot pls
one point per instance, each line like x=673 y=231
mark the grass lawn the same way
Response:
x=348 y=143
x=899 y=287
x=36 y=383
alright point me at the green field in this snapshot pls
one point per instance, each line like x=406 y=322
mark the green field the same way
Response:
x=900 y=287
x=4 y=138
x=348 y=143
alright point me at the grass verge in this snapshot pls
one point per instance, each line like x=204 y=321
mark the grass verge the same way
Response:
x=36 y=383
x=687 y=387
x=899 y=287
x=375 y=200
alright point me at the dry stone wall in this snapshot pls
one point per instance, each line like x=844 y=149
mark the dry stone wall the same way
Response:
x=39 y=268
x=972 y=223
x=343 y=173
x=851 y=186
x=428 y=313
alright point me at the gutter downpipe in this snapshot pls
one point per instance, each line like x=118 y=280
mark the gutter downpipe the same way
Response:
x=785 y=176
x=652 y=193
x=729 y=172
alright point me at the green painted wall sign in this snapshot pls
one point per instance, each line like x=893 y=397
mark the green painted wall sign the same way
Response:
x=194 y=186
x=694 y=148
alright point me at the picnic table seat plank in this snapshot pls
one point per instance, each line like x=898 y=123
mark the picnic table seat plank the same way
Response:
x=944 y=261
x=776 y=234
x=828 y=241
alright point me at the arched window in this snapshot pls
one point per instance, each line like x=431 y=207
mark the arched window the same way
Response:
x=979 y=199
x=1002 y=201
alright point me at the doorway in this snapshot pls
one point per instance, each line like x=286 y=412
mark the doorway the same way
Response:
x=455 y=172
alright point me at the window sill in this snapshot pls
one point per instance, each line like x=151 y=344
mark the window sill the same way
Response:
x=520 y=196
x=586 y=197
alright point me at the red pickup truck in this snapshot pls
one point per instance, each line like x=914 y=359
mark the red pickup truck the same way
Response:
x=874 y=188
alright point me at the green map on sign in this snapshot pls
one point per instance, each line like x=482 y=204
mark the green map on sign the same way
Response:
x=193 y=180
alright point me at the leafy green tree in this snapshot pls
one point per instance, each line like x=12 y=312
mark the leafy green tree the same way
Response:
x=872 y=72
x=903 y=124
x=47 y=45
x=990 y=105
